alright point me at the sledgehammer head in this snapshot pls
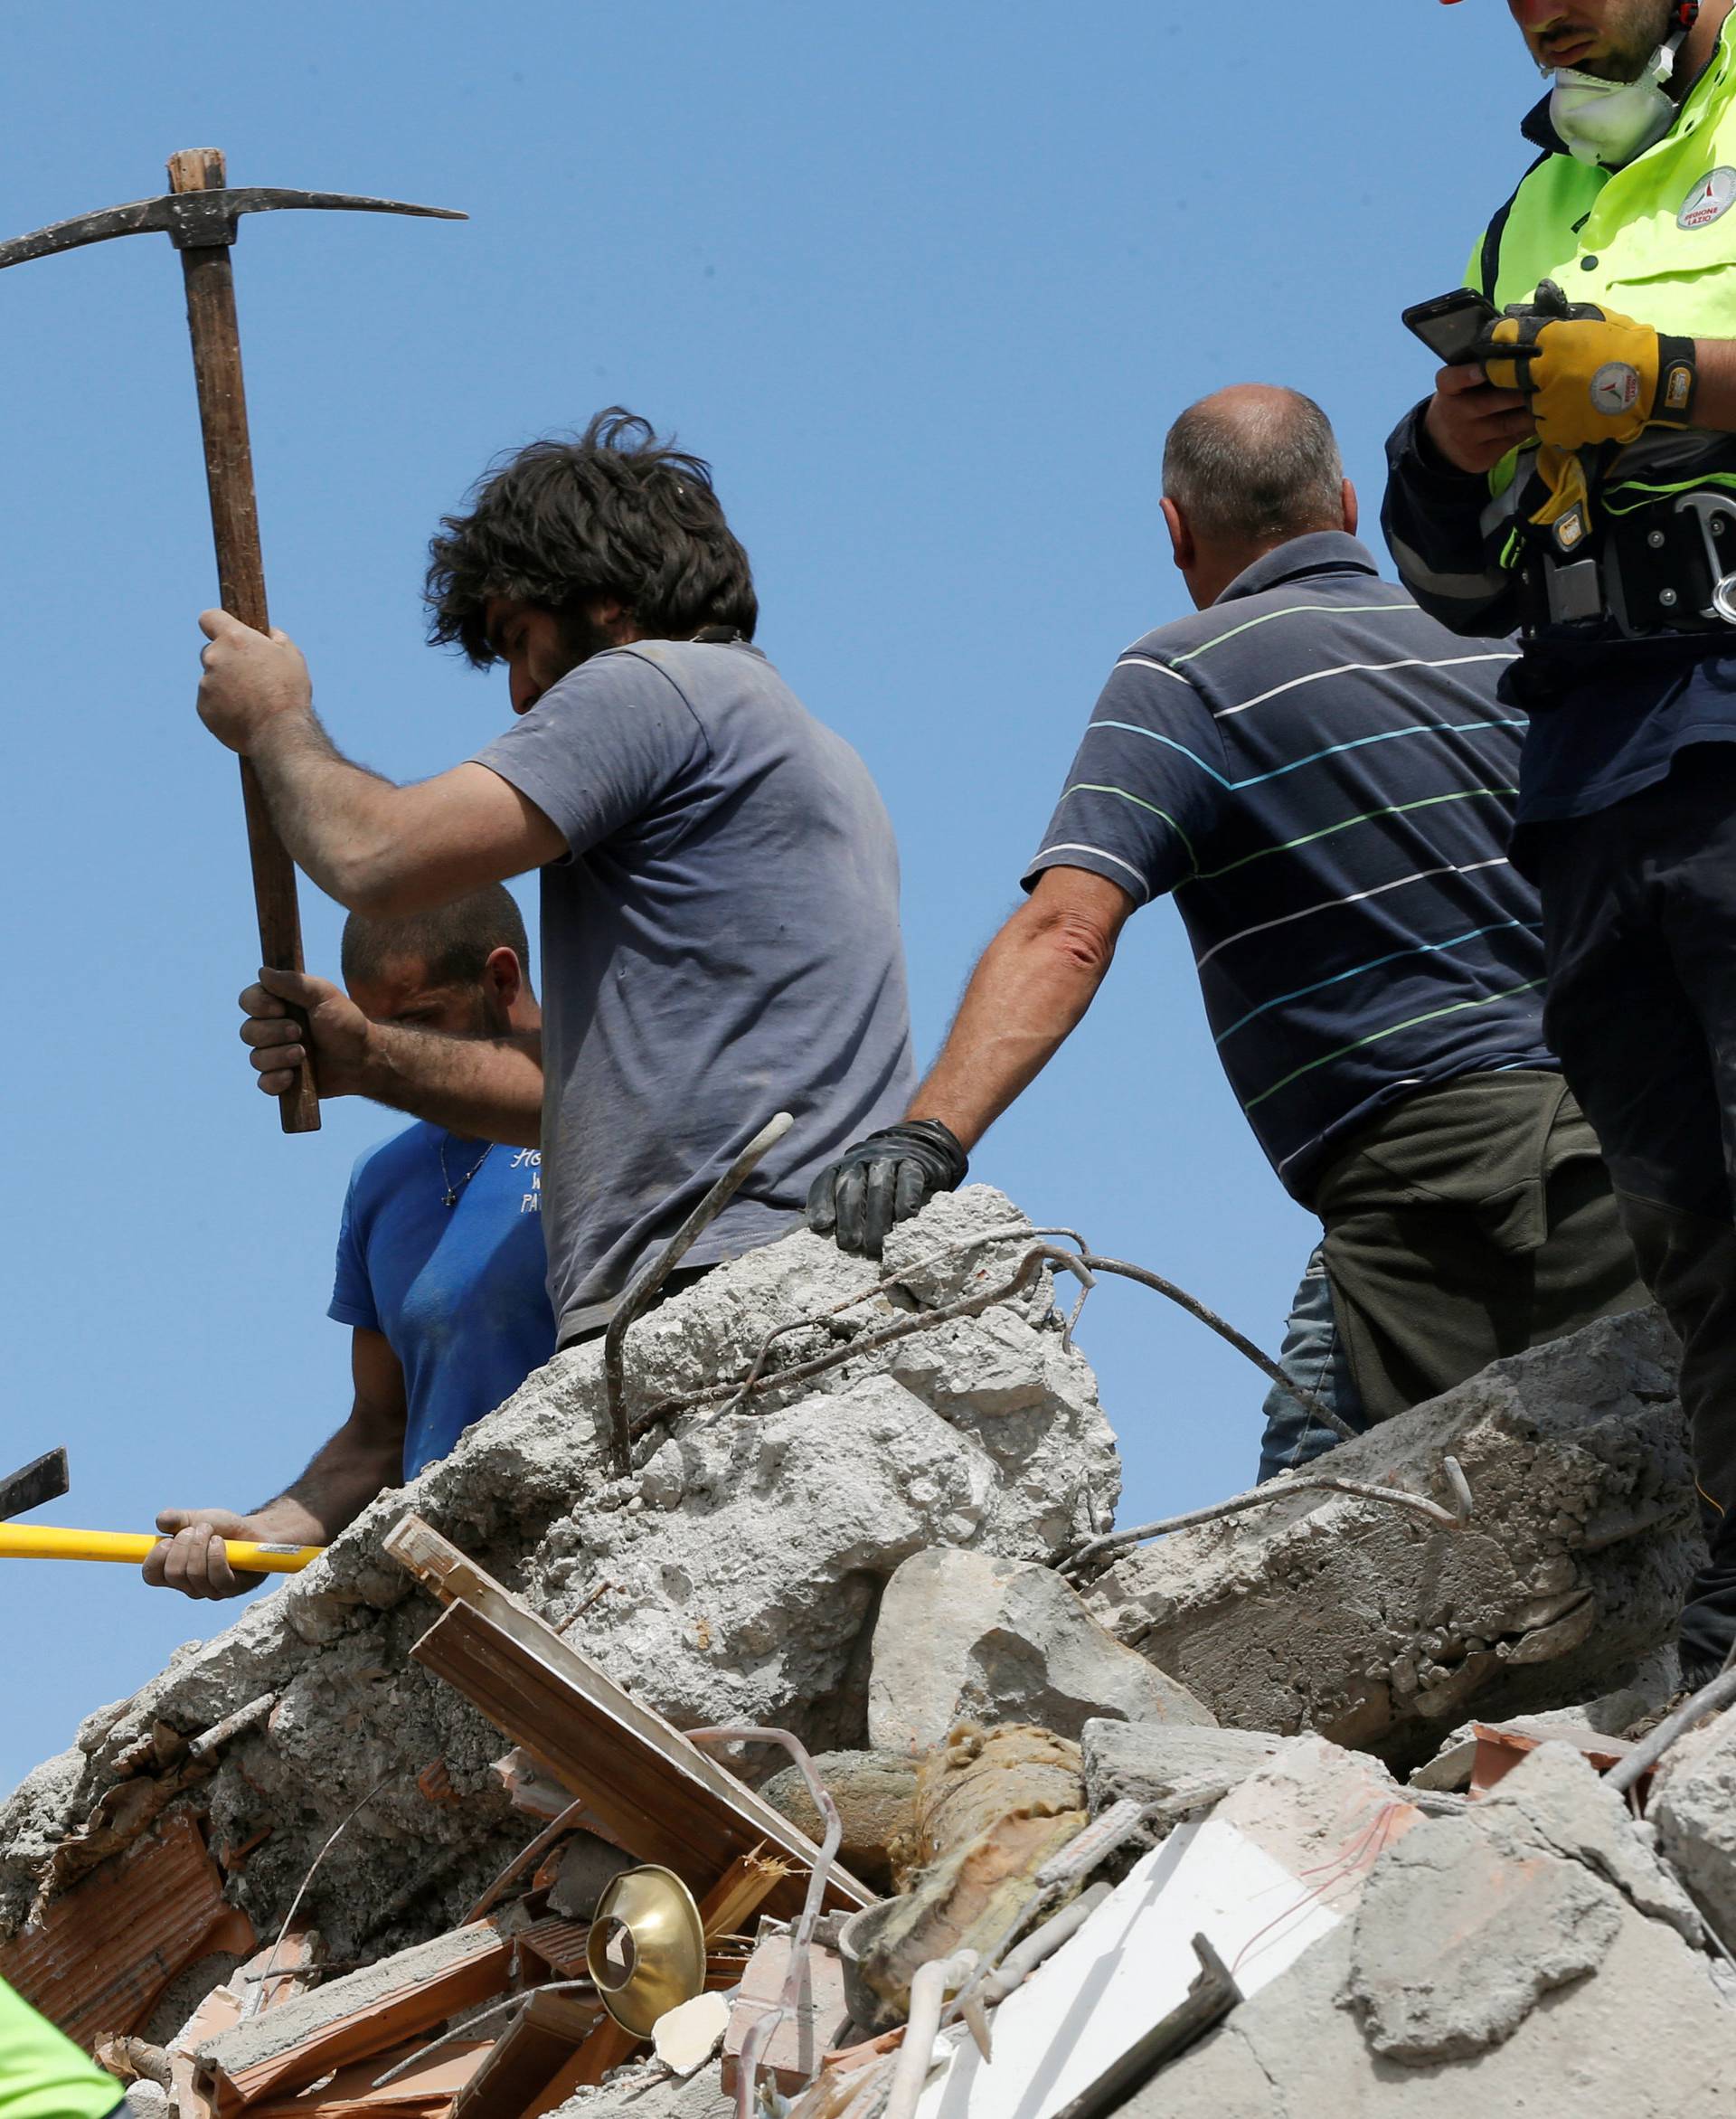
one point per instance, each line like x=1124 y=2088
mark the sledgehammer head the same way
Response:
x=195 y=220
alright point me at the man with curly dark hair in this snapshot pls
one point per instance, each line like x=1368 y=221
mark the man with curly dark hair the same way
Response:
x=719 y=876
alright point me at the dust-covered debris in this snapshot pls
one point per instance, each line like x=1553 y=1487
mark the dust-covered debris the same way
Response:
x=868 y=1556
x=1332 y=1612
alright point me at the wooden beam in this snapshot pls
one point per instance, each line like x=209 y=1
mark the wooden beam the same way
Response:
x=606 y=2047
x=661 y=1797
x=541 y=2039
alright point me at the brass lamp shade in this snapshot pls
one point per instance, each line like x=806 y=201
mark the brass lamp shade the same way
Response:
x=646 y=1949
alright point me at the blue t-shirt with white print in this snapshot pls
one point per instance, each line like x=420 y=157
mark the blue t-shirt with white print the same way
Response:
x=458 y=1292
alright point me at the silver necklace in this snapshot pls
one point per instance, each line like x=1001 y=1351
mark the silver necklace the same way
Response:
x=450 y=1197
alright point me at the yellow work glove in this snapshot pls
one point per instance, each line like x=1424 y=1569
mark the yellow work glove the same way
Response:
x=1566 y=511
x=1589 y=374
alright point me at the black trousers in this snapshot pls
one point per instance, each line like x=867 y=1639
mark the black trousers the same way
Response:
x=1639 y=911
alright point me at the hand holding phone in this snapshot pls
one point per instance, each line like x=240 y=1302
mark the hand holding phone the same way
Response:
x=1452 y=326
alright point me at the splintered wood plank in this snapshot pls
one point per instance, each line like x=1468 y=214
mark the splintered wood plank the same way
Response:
x=739 y=1893
x=661 y=1797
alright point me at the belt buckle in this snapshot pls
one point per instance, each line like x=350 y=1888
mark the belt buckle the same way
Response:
x=1708 y=508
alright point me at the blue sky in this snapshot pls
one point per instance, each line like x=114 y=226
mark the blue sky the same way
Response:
x=927 y=283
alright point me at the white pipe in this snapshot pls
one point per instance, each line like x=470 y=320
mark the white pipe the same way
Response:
x=916 y=2054
x=1018 y=1964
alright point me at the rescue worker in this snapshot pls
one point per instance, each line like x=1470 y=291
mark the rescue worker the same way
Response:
x=441 y=1270
x=1323 y=779
x=1577 y=481
x=43 y=2075
x=719 y=877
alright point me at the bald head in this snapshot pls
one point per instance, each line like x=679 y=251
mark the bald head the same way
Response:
x=1254 y=465
x=1247 y=468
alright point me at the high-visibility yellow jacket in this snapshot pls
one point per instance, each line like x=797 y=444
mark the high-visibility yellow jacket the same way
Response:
x=42 y=2075
x=1656 y=240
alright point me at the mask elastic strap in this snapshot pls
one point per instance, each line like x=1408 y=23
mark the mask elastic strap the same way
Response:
x=1685 y=13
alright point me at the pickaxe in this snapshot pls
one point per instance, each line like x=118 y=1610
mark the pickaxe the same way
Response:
x=200 y=217
x=45 y=1479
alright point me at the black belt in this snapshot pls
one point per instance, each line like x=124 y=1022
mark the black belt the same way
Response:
x=1666 y=570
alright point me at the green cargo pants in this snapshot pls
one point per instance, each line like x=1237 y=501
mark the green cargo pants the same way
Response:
x=1469 y=1221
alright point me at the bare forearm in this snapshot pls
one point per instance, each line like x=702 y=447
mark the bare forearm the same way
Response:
x=489 y=1088
x=1032 y=986
x=344 y=1477
x=336 y=819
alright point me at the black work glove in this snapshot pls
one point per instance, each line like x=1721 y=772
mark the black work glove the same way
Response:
x=883 y=1179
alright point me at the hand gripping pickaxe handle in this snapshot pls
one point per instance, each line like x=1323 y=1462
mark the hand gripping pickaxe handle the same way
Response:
x=198 y=215
x=241 y=575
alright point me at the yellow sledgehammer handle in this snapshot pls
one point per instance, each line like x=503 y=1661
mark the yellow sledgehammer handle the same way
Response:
x=41 y=1541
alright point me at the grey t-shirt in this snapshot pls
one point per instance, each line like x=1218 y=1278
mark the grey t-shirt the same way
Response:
x=721 y=943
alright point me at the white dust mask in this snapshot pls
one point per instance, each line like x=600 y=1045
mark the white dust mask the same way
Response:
x=1611 y=121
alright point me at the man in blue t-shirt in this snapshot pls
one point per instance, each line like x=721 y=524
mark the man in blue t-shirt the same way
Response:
x=1323 y=779
x=441 y=1270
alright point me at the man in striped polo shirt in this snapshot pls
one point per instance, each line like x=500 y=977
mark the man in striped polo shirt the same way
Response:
x=1323 y=779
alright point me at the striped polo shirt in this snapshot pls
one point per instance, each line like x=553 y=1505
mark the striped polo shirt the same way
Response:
x=1326 y=780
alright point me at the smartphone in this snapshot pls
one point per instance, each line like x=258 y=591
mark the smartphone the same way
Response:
x=1452 y=325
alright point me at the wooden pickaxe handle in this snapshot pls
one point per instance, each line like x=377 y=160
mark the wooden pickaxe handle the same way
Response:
x=241 y=572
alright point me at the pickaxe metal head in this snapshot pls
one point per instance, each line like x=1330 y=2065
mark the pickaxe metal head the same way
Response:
x=200 y=215
x=44 y=1481
x=195 y=221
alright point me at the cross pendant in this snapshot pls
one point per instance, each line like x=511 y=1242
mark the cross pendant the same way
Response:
x=451 y=1200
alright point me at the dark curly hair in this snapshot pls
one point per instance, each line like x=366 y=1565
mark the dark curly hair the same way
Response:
x=613 y=513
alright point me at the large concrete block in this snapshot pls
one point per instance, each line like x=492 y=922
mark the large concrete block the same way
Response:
x=1328 y=1612
x=1169 y=1767
x=972 y=1637
x=1529 y=1955
x=1647 y=2037
x=1694 y=1808
x=732 y=1577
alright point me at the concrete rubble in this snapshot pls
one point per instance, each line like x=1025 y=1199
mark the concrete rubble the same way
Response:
x=876 y=1796
x=1530 y=1947
x=735 y=1576
x=1334 y=1612
x=1694 y=1807
x=428 y=1789
x=962 y=1635
x=1172 y=1773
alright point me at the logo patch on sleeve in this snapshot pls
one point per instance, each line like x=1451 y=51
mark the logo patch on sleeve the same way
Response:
x=1678 y=388
x=1710 y=200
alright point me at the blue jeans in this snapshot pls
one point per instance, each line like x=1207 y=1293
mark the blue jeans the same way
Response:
x=1312 y=1355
